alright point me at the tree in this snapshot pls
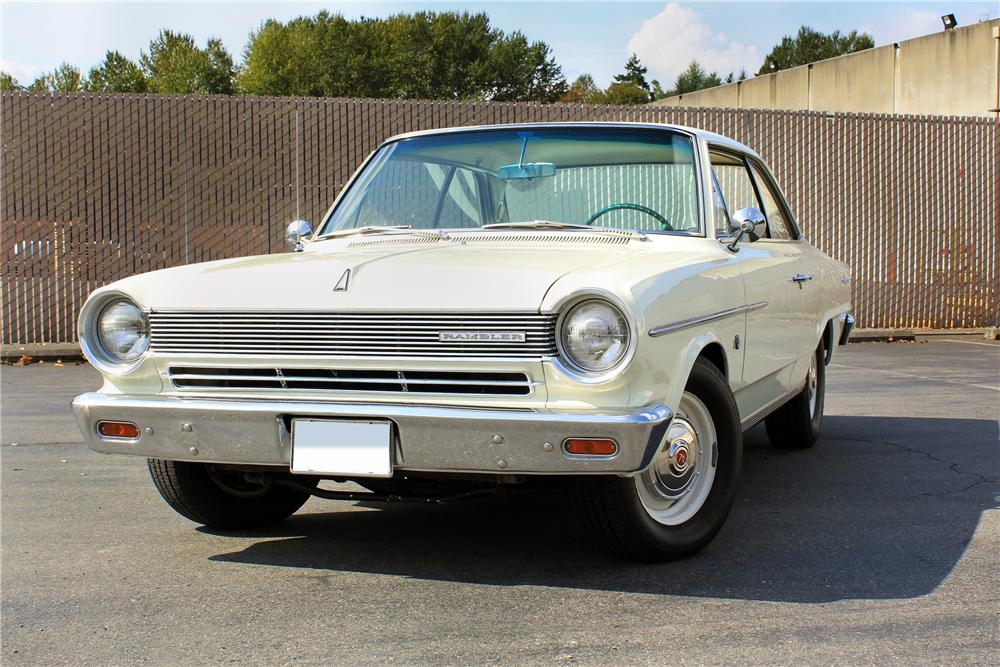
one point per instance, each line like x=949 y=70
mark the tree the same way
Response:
x=583 y=90
x=430 y=55
x=116 y=74
x=634 y=75
x=694 y=78
x=733 y=78
x=810 y=45
x=175 y=64
x=8 y=84
x=625 y=93
x=284 y=59
x=63 y=79
x=522 y=71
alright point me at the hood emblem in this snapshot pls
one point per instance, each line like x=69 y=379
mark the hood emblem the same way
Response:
x=481 y=337
x=344 y=281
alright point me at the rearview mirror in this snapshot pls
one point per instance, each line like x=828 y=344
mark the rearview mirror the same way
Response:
x=512 y=172
x=747 y=221
x=296 y=232
x=525 y=170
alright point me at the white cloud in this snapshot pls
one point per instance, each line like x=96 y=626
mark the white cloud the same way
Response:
x=905 y=24
x=669 y=41
x=25 y=74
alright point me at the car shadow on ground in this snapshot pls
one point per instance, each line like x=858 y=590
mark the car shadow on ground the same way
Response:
x=881 y=508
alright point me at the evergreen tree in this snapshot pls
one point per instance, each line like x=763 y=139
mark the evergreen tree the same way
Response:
x=809 y=45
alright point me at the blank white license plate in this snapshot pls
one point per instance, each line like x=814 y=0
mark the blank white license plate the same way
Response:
x=356 y=448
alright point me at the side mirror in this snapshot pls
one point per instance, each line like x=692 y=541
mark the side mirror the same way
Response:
x=298 y=230
x=749 y=221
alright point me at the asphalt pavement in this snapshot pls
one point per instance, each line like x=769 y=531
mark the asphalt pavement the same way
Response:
x=878 y=545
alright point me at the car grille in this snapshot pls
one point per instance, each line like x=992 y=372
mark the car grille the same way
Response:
x=353 y=334
x=326 y=379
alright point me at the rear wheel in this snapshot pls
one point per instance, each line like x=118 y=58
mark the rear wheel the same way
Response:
x=797 y=424
x=678 y=504
x=223 y=499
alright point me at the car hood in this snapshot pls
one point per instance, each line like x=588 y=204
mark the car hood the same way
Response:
x=443 y=276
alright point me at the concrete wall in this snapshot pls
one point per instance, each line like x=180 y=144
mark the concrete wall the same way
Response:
x=953 y=72
x=948 y=72
x=860 y=82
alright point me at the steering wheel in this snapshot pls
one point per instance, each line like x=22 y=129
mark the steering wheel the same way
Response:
x=664 y=223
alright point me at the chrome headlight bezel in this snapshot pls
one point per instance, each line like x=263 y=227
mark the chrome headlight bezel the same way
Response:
x=90 y=337
x=567 y=365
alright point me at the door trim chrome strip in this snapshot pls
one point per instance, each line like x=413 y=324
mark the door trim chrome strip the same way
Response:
x=755 y=418
x=695 y=321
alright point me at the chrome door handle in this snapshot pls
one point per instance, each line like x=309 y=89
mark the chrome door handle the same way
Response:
x=801 y=277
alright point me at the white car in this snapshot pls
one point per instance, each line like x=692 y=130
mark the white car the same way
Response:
x=608 y=304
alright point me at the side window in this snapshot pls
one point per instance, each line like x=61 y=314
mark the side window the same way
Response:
x=778 y=224
x=735 y=186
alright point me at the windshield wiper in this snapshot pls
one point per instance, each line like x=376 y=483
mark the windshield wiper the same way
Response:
x=535 y=224
x=550 y=224
x=381 y=229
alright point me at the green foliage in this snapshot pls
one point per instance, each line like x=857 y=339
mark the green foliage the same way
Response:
x=625 y=93
x=810 y=45
x=175 y=64
x=64 y=79
x=634 y=76
x=628 y=87
x=116 y=74
x=287 y=59
x=430 y=55
x=694 y=78
x=8 y=84
x=583 y=91
x=733 y=78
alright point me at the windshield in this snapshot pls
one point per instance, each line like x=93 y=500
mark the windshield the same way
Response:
x=632 y=179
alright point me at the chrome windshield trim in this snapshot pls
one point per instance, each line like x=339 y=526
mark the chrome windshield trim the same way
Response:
x=704 y=319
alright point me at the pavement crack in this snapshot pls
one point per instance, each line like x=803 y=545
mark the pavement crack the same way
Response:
x=952 y=465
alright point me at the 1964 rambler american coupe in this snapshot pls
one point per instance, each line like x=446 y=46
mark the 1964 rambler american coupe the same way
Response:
x=605 y=304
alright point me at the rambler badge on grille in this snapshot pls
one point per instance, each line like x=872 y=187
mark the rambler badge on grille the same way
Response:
x=481 y=337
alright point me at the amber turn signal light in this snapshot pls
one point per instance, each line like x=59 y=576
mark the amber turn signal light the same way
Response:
x=591 y=446
x=126 y=430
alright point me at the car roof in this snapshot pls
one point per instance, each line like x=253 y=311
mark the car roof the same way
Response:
x=709 y=137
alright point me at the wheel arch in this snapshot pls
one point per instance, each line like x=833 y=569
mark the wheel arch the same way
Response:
x=827 y=340
x=705 y=345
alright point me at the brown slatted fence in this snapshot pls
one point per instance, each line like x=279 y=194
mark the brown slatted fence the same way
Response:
x=98 y=187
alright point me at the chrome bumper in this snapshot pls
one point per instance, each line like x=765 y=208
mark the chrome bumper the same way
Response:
x=845 y=332
x=437 y=439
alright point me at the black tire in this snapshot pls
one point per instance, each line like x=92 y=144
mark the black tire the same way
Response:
x=614 y=514
x=795 y=425
x=222 y=501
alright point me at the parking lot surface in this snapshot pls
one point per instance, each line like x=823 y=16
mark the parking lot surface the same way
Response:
x=878 y=545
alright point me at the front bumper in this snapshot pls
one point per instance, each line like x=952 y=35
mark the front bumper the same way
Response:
x=845 y=332
x=426 y=438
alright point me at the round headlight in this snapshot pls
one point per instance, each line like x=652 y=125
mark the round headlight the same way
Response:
x=594 y=336
x=122 y=330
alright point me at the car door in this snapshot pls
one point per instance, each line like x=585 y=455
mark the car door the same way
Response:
x=772 y=344
x=805 y=278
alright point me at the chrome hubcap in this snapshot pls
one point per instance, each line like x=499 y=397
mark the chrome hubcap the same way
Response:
x=811 y=382
x=674 y=468
x=678 y=481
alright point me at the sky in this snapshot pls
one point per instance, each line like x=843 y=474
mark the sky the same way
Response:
x=594 y=38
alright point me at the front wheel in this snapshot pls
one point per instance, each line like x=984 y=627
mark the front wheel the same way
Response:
x=679 y=502
x=222 y=499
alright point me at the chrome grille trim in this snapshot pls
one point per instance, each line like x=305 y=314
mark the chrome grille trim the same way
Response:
x=350 y=334
x=286 y=379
